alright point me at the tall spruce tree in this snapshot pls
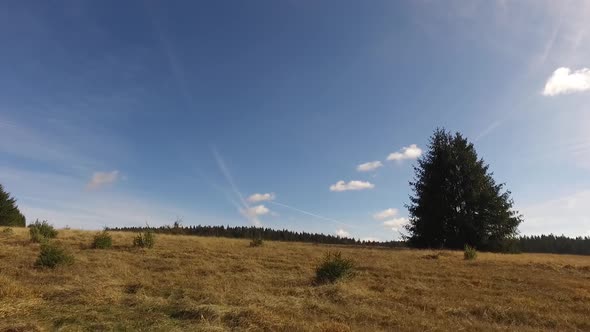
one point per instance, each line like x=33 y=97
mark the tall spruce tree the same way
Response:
x=456 y=201
x=9 y=213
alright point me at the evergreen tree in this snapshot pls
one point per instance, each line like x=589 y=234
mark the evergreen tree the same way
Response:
x=456 y=201
x=9 y=213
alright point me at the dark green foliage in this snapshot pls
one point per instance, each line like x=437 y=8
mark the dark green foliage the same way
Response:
x=52 y=255
x=9 y=212
x=256 y=242
x=456 y=201
x=145 y=239
x=469 y=253
x=333 y=268
x=36 y=235
x=40 y=231
x=554 y=244
x=543 y=243
x=102 y=240
x=266 y=234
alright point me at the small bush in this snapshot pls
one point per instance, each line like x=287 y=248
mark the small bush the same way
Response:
x=256 y=242
x=102 y=240
x=52 y=255
x=7 y=231
x=146 y=239
x=40 y=231
x=333 y=268
x=470 y=253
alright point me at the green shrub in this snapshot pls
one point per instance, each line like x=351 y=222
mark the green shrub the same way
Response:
x=256 y=242
x=102 y=240
x=40 y=231
x=333 y=268
x=7 y=231
x=52 y=255
x=146 y=239
x=470 y=253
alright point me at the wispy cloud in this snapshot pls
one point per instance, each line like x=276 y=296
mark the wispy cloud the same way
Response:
x=395 y=224
x=255 y=211
x=488 y=130
x=351 y=185
x=72 y=205
x=370 y=166
x=387 y=213
x=342 y=233
x=389 y=219
x=407 y=152
x=255 y=198
x=565 y=81
x=100 y=179
x=311 y=214
x=241 y=204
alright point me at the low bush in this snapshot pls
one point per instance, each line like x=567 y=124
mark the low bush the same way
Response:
x=52 y=255
x=256 y=242
x=470 y=253
x=40 y=231
x=333 y=268
x=102 y=240
x=145 y=239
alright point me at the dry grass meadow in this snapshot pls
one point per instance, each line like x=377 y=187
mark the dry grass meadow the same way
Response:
x=213 y=284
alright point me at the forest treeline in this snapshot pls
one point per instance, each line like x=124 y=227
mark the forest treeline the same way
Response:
x=530 y=244
x=251 y=232
x=554 y=244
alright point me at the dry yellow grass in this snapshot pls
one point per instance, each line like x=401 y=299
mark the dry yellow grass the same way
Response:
x=214 y=284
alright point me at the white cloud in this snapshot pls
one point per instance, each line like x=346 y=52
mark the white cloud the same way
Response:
x=351 y=185
x=255 y=198
x=255 y=211
x=102 y=178
x=407 y=152
x=564 y=81
x=395 y=223
x=388 y=213
x=370 y=166
x=342 y=233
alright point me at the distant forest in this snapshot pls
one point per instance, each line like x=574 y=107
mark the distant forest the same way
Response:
x=554 y=244
x=251 y=232
x=533 y=244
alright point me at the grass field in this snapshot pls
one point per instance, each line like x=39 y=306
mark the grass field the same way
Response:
x=215 y=284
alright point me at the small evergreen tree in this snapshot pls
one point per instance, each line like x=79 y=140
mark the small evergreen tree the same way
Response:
x=40 y=231
x=52 y=255
x=9 y=212
x=456 y=201
x=102 y=240
x=333 y=268
x=146 y=239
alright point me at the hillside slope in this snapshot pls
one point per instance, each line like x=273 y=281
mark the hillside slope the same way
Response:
x=216 y=284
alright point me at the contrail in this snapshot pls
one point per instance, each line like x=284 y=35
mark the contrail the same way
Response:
x=244 y=205
x=312 y=214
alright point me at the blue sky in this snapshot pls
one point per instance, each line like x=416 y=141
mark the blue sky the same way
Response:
x=121 y=113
